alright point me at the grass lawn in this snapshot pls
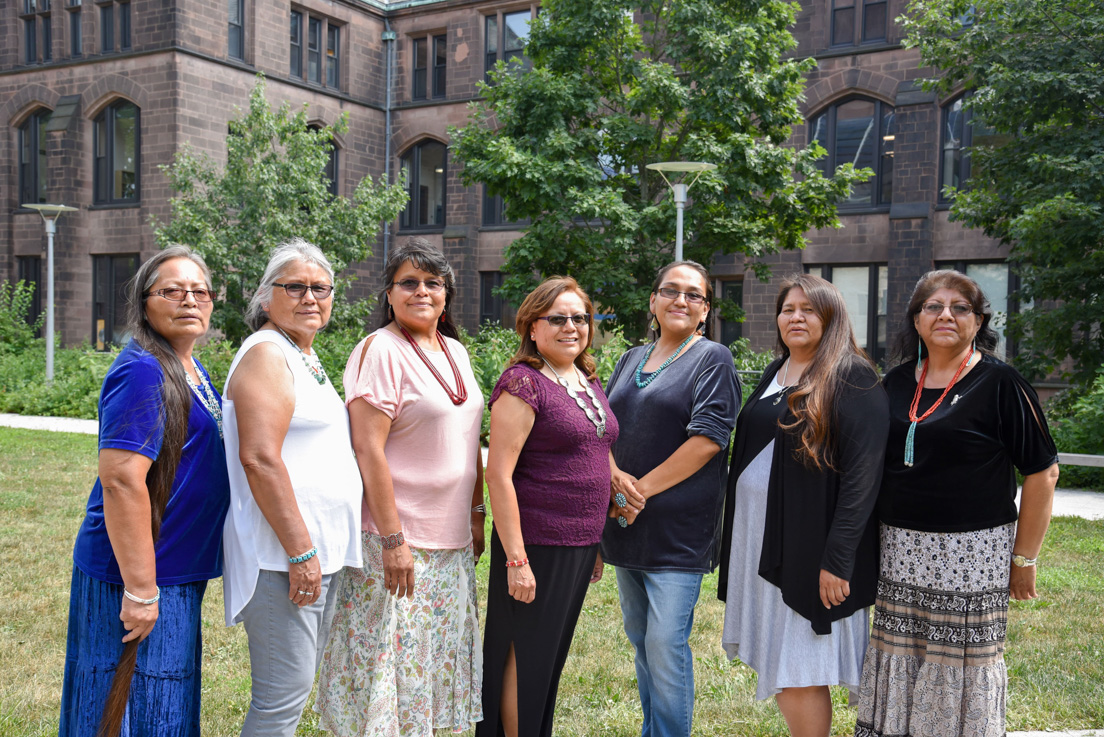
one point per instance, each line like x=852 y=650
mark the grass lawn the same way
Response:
x=1055 y=644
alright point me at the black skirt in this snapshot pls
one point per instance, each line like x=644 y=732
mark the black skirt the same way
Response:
x=541 y=633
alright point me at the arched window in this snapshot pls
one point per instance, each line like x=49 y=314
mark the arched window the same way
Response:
x=425 y=166
x=32 y=158
x=860 y=131
x=961 y=131
x=117 y=156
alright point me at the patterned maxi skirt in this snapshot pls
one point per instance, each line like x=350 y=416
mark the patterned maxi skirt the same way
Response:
x=935 y=665
x=403 y=667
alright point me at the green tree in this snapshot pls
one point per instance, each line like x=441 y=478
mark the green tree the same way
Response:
x=271 y=189
x=566 y=140
x=1034 y=69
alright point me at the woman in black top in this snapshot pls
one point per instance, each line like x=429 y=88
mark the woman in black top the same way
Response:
x=800 y=560
x=960 y=422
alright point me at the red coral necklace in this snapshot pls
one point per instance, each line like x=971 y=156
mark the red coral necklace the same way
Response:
x=459 y=396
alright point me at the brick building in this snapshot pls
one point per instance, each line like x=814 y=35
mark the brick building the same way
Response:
x=96 y=96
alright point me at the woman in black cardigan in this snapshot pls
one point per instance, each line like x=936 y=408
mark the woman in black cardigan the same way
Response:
x=799 y=555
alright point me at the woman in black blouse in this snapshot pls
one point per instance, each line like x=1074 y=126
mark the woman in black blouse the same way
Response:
x=961 y=422
x=799 y=565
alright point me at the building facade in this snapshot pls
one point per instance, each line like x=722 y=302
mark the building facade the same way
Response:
x=95 y=97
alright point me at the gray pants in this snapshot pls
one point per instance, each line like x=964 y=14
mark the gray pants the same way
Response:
x=285 y=649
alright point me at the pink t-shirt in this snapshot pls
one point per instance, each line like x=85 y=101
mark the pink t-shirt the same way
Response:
x=433 y=445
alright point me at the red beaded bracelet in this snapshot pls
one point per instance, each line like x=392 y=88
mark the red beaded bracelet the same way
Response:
x=517 y=563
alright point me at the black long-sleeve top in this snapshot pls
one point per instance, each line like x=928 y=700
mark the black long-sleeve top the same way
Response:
x=819 y=519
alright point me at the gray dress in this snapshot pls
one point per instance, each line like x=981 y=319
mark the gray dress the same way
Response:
x=759 y=628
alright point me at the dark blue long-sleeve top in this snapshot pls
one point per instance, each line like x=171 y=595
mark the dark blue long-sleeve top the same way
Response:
x=698 y=394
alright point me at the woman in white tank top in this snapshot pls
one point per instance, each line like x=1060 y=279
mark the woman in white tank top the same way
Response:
x=296 y=492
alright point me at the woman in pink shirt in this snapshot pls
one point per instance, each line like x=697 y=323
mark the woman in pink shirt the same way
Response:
x=404 y=653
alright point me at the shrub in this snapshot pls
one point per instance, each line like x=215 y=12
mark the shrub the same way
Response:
x=1077 y=422
x=75 y=392
x=17 y=334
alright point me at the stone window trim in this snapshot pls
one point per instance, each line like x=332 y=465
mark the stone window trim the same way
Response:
x=882 y=130
x=114 y=185
x=858 y=22
x=315 y=48
x=428 y=65
x=498 y=42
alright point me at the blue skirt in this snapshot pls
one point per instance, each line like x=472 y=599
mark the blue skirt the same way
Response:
x=164 y=695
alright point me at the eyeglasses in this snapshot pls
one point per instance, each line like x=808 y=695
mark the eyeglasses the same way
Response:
x=958 y=309
x=411 y=285
x=558 y=321
x=176 y=294
x=296 y=291
x=692 y=297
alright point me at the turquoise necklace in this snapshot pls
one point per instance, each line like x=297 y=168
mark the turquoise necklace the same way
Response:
x=312 y=362
x=206 y=395
x=642 y=382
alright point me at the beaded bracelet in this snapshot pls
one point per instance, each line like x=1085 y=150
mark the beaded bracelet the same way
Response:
x=136 y=600
x=517 y=563
x=390 y=542
x=304 y=557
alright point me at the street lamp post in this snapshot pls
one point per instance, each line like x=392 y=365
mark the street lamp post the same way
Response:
x=679 y=189
x=50 y=215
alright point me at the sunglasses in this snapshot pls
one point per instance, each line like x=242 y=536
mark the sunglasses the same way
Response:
x=558 y=321
x=296 y=291
x=958 y=309
x=411 y=285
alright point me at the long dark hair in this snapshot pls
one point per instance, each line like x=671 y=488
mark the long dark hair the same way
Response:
x=906 y=346
x=812 y=400
x=176 y=404
x=422 y=254
x=656 y=331
x=540 y=300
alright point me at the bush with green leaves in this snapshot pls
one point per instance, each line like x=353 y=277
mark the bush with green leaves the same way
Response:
x=75 y=391
x=1077 y=423
x=17 y=331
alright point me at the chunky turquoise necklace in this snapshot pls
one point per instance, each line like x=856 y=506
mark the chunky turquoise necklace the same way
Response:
x=312 y=362
x=642 y=382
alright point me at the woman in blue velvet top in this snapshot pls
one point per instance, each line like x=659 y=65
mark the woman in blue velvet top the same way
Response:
x=152 y=533
x=676 y=400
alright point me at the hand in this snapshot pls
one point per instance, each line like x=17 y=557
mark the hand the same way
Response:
x=479 y=534
x=138 y=619
x=833 y=589
x=599 y=569
x=1021 y=583
x=398 y=571
x=305 y=581
x=625 y=484
x=521 y=584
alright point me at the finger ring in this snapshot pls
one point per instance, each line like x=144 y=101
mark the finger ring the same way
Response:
x=304 y=593
x=620 y=500
x=622 y=521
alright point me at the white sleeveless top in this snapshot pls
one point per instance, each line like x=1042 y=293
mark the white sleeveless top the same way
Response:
x=318 y=454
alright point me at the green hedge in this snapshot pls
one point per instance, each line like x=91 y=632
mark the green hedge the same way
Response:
x=1077 y=422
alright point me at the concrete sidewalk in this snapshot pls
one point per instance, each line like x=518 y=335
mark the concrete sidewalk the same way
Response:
x=1087 y=504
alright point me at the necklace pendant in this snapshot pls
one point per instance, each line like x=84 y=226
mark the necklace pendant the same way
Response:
x=777 y=399
x=601 y=430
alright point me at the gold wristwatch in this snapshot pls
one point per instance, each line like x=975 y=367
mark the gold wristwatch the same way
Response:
x=1021 y=562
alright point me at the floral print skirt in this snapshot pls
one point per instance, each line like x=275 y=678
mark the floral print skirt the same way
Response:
x=403 y=666
x=935 y=664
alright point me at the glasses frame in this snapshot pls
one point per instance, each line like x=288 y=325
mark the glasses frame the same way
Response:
x=579 y=319
x=297 y=286
x=693 y=298
x=958 y=309
x=421 y=282
x=194 y=292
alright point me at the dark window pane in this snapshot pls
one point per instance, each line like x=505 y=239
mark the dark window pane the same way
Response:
x=421 y=55
x=889 y=143
x=30 y=41
x=440 y=61
x=124 y=26
x=874 y=22
x=425 y=169
x=314 y=51
x=333 y=50
x=32 y=159
x=730 y=329
x=818 y=131
x=516 y=30
x=490 y=44
x=107 y=29
x=30 y=272
x=109 y=277
x=843 y=26
x=75 y=41
x=296 y=55
x=490 y=305
x=856 y=143
x=954 y=128
x=235 y=37
x=125 y=146
x=47 y=38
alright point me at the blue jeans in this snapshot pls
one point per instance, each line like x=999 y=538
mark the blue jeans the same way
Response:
x=658 y=610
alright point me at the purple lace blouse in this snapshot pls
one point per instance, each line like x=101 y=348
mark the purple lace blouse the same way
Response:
x=562 y=477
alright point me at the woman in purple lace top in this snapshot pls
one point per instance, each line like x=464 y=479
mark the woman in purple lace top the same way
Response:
x=548 y=476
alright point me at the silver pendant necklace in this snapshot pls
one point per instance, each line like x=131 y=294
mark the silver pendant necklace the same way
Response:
x=597 y=416
x=785 y=388
x=206 y=395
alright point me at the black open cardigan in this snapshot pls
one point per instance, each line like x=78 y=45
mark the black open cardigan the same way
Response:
x=819 y=519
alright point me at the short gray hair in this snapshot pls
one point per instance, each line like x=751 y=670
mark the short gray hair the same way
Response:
x=282 y=257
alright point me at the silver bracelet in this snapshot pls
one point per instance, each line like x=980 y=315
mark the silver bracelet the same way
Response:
x=136 y=600
x=481 y=508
